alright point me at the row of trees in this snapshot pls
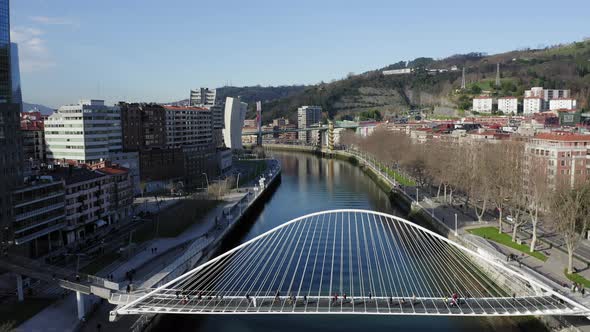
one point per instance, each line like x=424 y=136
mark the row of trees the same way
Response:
x=485 y=177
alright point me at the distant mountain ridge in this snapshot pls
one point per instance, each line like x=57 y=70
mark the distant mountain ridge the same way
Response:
x=252 y=94
x=37 y=107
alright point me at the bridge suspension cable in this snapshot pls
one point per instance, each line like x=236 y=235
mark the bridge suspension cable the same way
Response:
x=353 y=261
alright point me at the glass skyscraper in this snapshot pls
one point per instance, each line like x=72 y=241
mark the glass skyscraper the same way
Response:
x=17 y=97
x=5 y=86
x=11 y=154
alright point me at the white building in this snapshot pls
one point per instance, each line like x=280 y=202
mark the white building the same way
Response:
x=308 y=116
x=398 y=71
x=508 y=105
x=84 y=133
x=235 y=113
x=546 y=95
x=482 y=104
x=562 y=104
x=203 y=97
x=532 y=105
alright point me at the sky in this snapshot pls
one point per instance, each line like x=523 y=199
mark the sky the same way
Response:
x=154 y=50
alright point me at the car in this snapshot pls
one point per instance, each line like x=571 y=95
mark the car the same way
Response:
x=510 y=218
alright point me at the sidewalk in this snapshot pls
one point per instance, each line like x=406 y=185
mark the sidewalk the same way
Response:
x=144 y=262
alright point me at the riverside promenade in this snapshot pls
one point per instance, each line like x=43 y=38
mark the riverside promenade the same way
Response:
x=172 y=257
x=455 y=223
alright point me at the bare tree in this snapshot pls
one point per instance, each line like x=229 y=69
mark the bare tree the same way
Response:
x=570 y=209
x=538 y=191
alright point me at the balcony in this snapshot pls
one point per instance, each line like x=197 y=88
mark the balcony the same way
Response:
x=25 y=239
x=37 y=212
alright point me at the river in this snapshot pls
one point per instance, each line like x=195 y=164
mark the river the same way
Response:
x=311 y=184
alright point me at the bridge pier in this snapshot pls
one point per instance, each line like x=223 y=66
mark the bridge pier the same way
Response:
x=80 y=303
x=19 y=287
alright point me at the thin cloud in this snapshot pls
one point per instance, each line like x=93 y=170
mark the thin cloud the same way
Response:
x=49 y=20
x=32 y=48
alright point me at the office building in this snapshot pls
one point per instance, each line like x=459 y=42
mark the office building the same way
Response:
x=308 y=116
x=17 y=97
x=508 y=105
x=87 y=132
x=206 y=98
x=235 y=114
x=11 y=159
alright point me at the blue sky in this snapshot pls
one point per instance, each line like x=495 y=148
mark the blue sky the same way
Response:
x=154 y=50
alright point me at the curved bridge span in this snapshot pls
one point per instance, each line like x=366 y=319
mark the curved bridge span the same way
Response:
x=352 y=262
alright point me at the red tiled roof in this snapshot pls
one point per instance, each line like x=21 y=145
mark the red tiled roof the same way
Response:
x=509 y=97
x=563 y=136
x=113 y=170
x=482 y=97
x=533 y=97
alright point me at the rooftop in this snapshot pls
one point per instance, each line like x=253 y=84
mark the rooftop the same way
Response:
x=563 y=136
x=74 y=174
x=185 y=108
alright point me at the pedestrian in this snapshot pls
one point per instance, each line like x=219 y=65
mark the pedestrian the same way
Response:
x=370 y=296
x=128 y=289
x=305 y=299
x=583 y=291
x=98 y=327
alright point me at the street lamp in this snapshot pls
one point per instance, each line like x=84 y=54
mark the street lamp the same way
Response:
x=238 y=181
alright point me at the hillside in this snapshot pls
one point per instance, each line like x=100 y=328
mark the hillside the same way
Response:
x=37 y=107
x=251 y=94
x=563 y=66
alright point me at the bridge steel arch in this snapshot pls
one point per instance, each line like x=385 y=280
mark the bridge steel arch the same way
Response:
x=353 y=261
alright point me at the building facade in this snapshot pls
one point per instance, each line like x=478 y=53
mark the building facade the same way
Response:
x=483 y=104
x=235 y=114
x=11 y=158
x=562 y=156
x=532 y=105
x=143 y=126
x=39 y=211
x=203 y=97
x=86 y=132
x=562 y=104
x=308 y=116
x=508 y=105
x=546 y=95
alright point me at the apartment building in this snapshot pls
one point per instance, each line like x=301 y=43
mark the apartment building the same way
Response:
x=562 y=155
x=308 y=116
x=483 y=104
x=39 y=216
x=508 y=105
x=546 y=95
x=562 y=104
x=532 y=105
x=143 y=126
x=86 y=132
x=235 y=114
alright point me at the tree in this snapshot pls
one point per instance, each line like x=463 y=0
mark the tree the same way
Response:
x=570 y=209
x=537 y=190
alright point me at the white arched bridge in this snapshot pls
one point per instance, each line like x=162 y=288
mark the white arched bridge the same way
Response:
x=352 y=262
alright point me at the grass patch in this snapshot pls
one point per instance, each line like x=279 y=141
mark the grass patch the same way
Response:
x=491 y=233
x=174 y=220
x=577 y=278
x=15 y=313
x=100 y=263
x=398 y=177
